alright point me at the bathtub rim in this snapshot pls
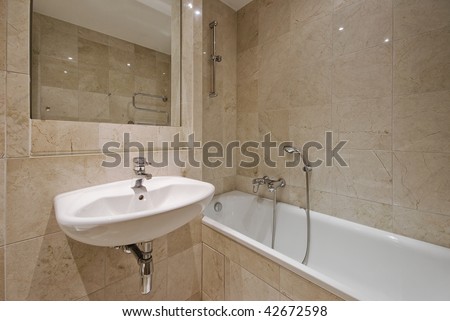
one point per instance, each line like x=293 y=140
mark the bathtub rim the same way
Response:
x=288 y=263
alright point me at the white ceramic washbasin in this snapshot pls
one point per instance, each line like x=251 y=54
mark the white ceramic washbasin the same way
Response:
x=116 y=214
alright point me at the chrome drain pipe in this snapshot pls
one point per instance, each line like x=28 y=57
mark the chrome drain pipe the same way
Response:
x=143 y=254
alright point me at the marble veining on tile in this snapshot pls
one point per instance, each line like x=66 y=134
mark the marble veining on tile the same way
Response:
x=18 y=32
x=422 y=181
x=362 y=25
x=413 y=17
x=55 y=260
x=421 y=63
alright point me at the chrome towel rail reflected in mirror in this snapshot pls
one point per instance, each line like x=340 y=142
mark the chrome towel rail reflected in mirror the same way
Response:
x=163 y=98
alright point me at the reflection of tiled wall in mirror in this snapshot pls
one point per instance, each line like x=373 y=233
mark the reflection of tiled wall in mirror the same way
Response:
x=83 y=75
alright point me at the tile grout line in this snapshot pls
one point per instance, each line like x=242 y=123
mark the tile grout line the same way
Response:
x=392 y=117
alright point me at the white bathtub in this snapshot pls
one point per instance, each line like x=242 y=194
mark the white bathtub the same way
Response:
x=350 y=260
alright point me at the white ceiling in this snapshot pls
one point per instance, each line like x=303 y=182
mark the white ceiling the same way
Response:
x=143 y=22
x=236 y=4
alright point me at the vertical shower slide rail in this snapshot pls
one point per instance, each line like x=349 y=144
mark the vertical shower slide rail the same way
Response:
x=214 y=59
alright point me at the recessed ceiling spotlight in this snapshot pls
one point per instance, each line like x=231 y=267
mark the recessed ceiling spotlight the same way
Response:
x=341 y=28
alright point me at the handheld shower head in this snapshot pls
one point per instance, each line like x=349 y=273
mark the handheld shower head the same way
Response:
x=291 y=150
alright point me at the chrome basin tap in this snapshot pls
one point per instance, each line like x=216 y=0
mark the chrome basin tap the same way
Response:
x=139 y=167
x=139 y=170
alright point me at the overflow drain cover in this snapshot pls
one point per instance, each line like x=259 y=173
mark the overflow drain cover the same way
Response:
x=218 y=207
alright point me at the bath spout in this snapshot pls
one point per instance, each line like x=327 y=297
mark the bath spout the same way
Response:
x=257 y=182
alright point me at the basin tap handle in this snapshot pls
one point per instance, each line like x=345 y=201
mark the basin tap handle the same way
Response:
x=139 y=167
x=140 y=161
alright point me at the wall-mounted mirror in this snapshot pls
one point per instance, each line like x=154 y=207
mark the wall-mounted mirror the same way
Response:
x=113 y=61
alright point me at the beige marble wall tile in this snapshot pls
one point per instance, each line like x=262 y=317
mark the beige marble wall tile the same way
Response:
x=246 y=126
x=272 y=19
x=276 y=123
x=120 y=44
x=122 y=60
x=310 y=84
x=367 y=177
x=57 y=38
x=247 y=26
x=213 y=275
x=58 y=269
x=428 y=227
x=300 y=289
x=185 y=237
x=413 y=17
x=58 y=103
x=145 y=60
x=195 y=297
x=241 y=285
x=213 y=115
x=2 y=113
x=58 y=73
x=365 y=124
x=18 y=19
x=92 y=78
x=127 y=289
x=96 y=296
x=421 y=122
x=421 y=63
x=17 y=115
x=185 y=270
x=230 y=118
x=52 y=137
x=248 y=64
x=3 y=41
x=205 y=297
x=121 y=84
x=92 y=35
x=365 y=24
x=338 y=4
x=229 y=183
x=119 y=107
x=302 y=10
x=119 y=265
x=297 y=196
x=421 y=181
x=368 y=213
x=309 y=124
x=365 y=74
x=2 y=273
x=36 y=217
x=93 y=107
x=312 y=40
x=321 y=202
x=92 y=53
x=247 y=96
x=276 y=77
